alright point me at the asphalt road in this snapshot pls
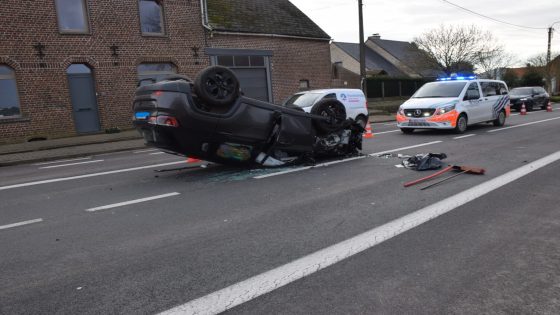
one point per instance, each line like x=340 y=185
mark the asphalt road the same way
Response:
x=141 y=232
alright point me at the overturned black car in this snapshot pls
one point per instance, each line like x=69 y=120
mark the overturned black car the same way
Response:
x=210 y=119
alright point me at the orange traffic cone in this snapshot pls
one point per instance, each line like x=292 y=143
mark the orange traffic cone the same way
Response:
x=549 y=106
x=192 y=160
x=523 y=109
x=369 y=133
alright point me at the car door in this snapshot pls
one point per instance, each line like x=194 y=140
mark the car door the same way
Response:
x=474 y=107
x=490 y=99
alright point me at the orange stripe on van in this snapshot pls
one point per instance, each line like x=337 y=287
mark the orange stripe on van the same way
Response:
x=450 y=117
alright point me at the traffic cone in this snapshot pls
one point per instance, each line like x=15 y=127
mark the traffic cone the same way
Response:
x=369 y=133
x=192 y=160
x=549 y=106
x=523 y=109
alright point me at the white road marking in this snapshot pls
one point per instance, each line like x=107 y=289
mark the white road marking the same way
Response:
x=125 y=203
x=404 y=148
x=144 y=151
x=157 y=153
x=465 y=136
x=266 y=282
x=522 y=125
x=13 y=225
x=62 y=161
x=299 y=169
x=61 y=179
x=382 y=132
x=390 y=124
x=71 y=164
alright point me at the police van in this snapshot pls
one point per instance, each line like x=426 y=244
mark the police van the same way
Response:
x=455 y=103
x=354 y=102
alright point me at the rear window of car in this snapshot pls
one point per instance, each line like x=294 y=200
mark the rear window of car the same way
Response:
x=521 y=91
x=440 y=89
x=303 y=100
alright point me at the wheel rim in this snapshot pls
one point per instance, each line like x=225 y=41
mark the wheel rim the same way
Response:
x=334 y=114
x=502 y=118
x=219 y=85
x=462 y=123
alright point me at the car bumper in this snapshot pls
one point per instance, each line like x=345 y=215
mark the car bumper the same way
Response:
x=445 y=121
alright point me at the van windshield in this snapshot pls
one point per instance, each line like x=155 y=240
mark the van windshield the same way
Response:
x=303 y=100
x=440 y=89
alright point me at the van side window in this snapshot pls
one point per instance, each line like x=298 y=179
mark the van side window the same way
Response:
x=503 y=89
x=490 y=88
x=473 y=90
x=330 y=96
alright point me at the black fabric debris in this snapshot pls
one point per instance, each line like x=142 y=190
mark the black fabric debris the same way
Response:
x=424 y=162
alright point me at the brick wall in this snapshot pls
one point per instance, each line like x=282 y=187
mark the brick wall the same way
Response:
x=42 y=83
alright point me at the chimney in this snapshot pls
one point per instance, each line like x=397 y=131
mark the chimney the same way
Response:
x=376 y=36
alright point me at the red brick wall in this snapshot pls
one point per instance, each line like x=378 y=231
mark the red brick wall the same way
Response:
x=293 y=60
x=42 y=83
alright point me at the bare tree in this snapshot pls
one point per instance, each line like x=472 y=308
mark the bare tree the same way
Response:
x=547 y=69
x=457 y=47
x=491 y=63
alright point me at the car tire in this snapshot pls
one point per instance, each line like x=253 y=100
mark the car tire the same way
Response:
x=501 y=120
x=545 y=104
x=461 y=125
x=529 y=107
x=407 y=130
x=332 y=109
x=216 y=86
x=362 y=121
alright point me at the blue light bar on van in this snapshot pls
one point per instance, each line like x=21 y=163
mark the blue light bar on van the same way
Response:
x=457 y=78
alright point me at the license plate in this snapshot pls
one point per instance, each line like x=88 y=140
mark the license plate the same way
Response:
x=141 y=115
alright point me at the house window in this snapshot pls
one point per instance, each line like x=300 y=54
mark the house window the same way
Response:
x=303 y=85
x=151 y=17
x=154 y=72
x=72 y=16
x=9 y=100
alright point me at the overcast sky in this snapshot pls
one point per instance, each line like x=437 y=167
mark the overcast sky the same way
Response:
x=405 y=19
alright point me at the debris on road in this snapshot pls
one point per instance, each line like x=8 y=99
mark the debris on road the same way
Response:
x=460 y=169
x=423 y=162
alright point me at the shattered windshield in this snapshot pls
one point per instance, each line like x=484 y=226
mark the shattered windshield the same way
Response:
x=303 y=100
x=440 y=89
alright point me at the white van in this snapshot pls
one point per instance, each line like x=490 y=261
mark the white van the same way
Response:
x=353 y=100
x=455 y=103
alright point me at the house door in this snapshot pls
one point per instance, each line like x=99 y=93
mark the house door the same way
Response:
x=253 y=82
x=84 y=101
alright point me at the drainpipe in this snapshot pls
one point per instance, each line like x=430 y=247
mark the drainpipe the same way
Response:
x=204 y=14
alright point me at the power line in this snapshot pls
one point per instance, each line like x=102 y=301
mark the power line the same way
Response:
x=493 y=19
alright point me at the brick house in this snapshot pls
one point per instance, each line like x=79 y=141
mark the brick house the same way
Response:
x=71 y=67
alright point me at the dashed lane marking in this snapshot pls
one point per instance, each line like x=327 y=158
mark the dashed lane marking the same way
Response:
x=266 y=282
x=525 y=124
x=465 y=136
x=71 y=164
x=62 y=161
x=13 y=225
x=131 y=202
x=405 y=148
x=144 y=151
x=61 y=179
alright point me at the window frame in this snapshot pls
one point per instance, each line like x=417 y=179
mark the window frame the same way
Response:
x=155 y=73
x=12 y=76
x=85 y=11
x=162 y=18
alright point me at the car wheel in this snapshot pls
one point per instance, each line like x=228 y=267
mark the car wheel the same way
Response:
x=362 y=121
x=461 y=126
x=529 y=107
x=216 y=86
x=333 y=110
x=407 y=130
x=545 y=104
x=501 y=120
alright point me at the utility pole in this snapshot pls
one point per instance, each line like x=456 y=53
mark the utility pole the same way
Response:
x=550 y=30
x=362 y=49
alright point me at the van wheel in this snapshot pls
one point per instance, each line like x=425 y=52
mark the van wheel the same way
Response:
x=461 y=126
x=216 y=86
x=501 y=120
x=407 y=130
x=333 y=110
